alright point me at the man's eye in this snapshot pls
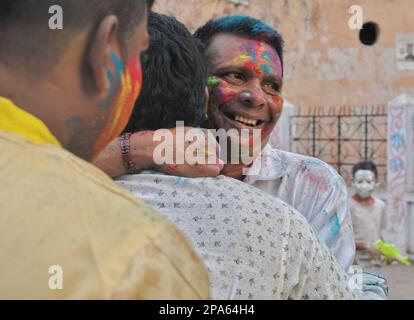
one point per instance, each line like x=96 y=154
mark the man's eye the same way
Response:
x=271 y=88
x=234 y=78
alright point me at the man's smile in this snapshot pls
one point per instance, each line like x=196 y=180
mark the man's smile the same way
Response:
x=243 y=120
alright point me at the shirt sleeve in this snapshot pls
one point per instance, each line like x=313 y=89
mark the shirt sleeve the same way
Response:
x=343 y=244
x=331 y=218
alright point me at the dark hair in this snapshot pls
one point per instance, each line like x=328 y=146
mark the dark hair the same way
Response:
x=175 y=78
x=365 y=165
x=25 y=36
x=242 y=26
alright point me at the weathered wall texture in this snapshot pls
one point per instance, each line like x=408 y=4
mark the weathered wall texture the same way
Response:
x=326 y=64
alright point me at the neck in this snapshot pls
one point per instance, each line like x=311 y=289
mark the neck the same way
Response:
x=33 y=99
x=363 y=201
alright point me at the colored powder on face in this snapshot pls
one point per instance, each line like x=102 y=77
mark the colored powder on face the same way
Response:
x=119 y=66
x=125 y=88
x=265 y=68
x=244 y=58
x=221 y=94
x=224 y=95
x=266 y=55
x=213 y=82
x=256 y=58
x=255 y=49
x=259 y=30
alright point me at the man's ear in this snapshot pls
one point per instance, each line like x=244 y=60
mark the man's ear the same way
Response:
x=103 y=44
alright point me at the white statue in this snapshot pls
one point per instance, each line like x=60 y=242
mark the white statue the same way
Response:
x=367 y=211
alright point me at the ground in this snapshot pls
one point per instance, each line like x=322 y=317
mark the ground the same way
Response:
x=400 y=281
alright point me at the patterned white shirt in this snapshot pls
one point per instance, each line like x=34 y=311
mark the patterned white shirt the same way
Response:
x=314 y=189
x=254 y=246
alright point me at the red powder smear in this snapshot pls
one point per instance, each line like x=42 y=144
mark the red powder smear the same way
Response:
x=278 y=100
x=123 y=103
x=228 y=96
x=172 y=167
x=317 y=180
x=224 y=93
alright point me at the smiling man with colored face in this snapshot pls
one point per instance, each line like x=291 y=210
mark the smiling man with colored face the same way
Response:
x=247 y=94
x=66 y=230
x=246 y=58
x=254 y=68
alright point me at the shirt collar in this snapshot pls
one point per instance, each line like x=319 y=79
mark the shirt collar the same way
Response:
x=268 y=166
x=17 y=121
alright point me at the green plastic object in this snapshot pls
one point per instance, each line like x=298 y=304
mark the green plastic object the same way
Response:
x=391 y=252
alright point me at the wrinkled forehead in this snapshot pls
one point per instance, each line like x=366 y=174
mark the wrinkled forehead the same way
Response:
x=365 y=175
x=228 y=48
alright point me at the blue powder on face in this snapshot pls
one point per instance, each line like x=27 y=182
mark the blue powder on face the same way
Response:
x=118 y=63
x=267 y=56
x=265 y=68
x=114 y=82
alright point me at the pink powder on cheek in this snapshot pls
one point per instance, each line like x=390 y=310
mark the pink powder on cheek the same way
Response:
x=278 y=103
x=277 y=109
x=223 y=93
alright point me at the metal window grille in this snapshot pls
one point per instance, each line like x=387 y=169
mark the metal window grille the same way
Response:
x=343 y=137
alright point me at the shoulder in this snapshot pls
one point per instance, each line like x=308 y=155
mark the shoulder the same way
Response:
x=61 y=172
x=80 y=202
x=301 y=166
x=310 y=163
x=69 y=184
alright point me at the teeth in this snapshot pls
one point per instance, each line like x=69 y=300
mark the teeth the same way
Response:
x=246 y=121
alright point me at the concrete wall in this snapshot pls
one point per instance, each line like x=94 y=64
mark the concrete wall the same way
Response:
x=326 y=64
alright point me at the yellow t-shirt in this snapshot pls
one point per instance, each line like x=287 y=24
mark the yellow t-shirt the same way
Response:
x=58 y=210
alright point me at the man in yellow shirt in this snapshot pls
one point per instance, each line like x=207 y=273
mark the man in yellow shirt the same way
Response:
x=66 y=231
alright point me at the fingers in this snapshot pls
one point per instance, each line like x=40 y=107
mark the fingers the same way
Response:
x=211 y=171
x=198 y=152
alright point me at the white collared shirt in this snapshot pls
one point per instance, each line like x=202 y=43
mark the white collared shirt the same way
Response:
x=314 y=189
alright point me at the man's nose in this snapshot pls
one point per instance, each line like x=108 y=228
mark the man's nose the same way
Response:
x=253 y=98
